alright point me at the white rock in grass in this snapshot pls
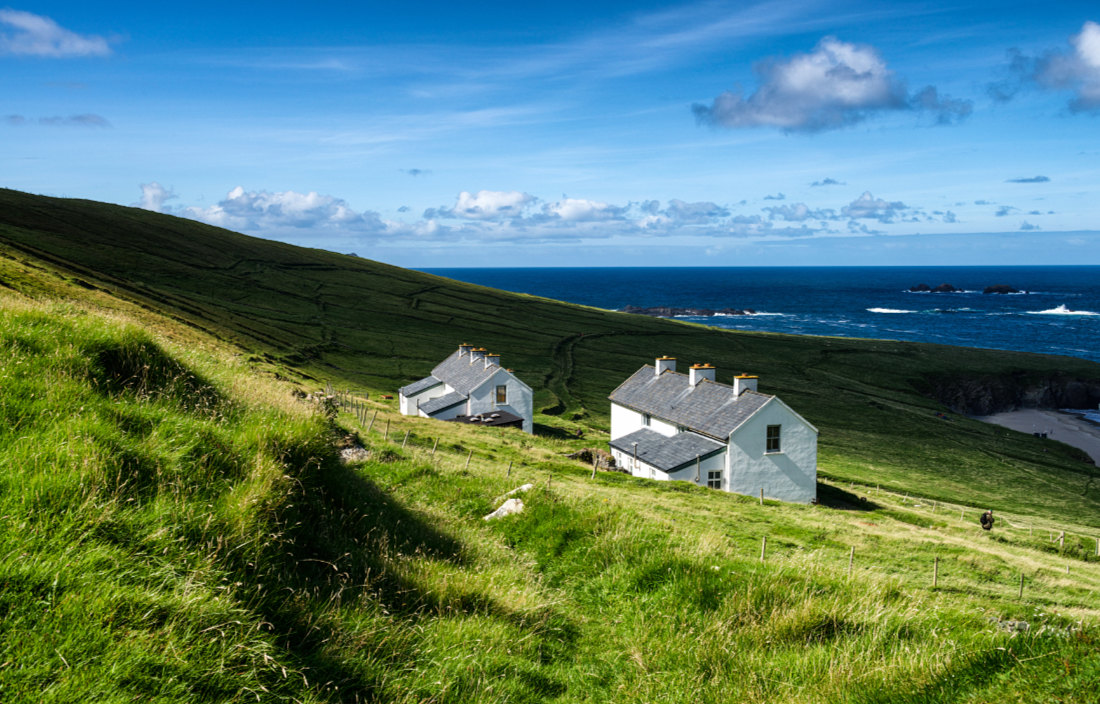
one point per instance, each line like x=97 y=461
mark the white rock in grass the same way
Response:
x=506 y=509
x=517 y=490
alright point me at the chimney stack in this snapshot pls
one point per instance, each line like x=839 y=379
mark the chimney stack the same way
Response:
x=743 y=383
x=492 y=360
x=665 y=363
x=477 y=353
x=464 y=349
x=700 y=372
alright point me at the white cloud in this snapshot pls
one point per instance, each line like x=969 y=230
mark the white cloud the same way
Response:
x=34 y=35
x=698 y=212
x=153 y=196
x=486 y=205
x=867 y=207
x=836 y=85
x=799 y=212
x=1075 y=69
x=582 y=210
x=263 y=210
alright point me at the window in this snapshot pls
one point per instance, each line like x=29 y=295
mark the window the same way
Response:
x=773 y=439
x=646 y=418
x=714 y=479
x=502 y=393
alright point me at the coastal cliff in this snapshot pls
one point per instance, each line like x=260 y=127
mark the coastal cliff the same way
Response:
x=985 y=395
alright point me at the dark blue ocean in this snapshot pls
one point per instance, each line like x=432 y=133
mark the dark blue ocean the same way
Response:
x=1058 y=311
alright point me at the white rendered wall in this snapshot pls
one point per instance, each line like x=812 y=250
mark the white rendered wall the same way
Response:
x=409 y=403
x=454 y=411
x=788 y=475
x=625 y=460
x=625 y=421
x=521 y=400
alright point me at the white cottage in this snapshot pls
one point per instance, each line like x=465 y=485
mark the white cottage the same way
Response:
x=666 y=425
x=470 y=386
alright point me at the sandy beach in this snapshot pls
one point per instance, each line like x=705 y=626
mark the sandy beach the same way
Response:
x=1063 y=427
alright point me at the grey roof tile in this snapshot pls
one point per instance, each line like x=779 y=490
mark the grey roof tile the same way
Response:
x=666 y=453
x=442 y=402
x=418 y=386
x=463 y=374
x=709 y=408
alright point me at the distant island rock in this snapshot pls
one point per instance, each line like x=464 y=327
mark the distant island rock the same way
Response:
x=942 y=288
x=672 y=312
x=1000 y=288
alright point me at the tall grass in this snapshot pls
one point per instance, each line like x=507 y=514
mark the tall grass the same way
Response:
x=173 y=528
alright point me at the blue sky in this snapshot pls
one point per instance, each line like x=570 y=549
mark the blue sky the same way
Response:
x=597 y=134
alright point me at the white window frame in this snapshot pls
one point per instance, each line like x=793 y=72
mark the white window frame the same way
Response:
x=714 y=479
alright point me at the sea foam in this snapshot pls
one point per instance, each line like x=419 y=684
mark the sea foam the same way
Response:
x=1061 y=310
x=889 y=310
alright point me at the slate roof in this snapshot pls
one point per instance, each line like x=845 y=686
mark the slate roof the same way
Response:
x=418 y=386
x=709 y=408
x=462 y=376
x=494 y=419
x=666 y=453
x=442 y=402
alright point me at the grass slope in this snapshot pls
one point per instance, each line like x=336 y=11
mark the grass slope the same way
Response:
x=317 y=315
x=176 y=528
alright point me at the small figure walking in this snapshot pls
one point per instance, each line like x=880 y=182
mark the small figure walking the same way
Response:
x=987 y=520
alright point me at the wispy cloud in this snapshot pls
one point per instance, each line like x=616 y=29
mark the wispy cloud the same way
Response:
x=27 y=34
x=836 y=85
x=827 y=182
x=1031 y=179
x=85 y=120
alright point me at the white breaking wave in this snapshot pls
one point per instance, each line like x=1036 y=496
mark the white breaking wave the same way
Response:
x=1061 y=310
x=889 y=310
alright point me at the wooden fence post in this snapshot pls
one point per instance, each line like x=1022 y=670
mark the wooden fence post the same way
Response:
x=763 y=547
x=468 y=458
x=372 y=421
x=761 y=496
x=386 y=435
x=935 y=572
x=595 y=460
x=851 y=559
x=509 y=472
x=1021 y=585
x=435 y=446
x=406 y=440
x=1062 y=542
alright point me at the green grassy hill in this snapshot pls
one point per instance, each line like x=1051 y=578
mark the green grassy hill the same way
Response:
x=177 y=526
x=324 y=317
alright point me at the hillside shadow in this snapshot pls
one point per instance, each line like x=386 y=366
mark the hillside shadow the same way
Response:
x=345 y=540
x=549 y=431
x=836 y=498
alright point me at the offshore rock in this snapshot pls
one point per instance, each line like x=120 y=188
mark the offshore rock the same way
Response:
x=1000 y=288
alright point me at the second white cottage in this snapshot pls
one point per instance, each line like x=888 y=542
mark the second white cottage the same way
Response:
x=667 y=425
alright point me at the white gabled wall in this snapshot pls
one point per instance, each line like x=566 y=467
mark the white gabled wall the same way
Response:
x=521 y=400
x=410 y=404
x=788 y=475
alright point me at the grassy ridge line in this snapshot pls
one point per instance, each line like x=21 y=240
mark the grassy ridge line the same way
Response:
x=317 y=314
x=171 y=509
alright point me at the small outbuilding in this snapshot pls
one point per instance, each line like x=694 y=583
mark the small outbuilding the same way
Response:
x=470 y=386
x=671 y=426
